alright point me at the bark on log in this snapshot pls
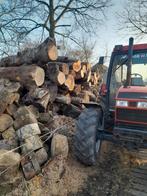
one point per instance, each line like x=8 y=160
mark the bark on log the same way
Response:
x=11 y=109
x=6 y=98
x=27 y=131
x=66 y=59
x=39 y=97
x=43 y=53
x=6 y=121
x=31 y=144
x=28 y=76
x=23 y=117
x=54 y=74
x=71 y=110
x=63 y=67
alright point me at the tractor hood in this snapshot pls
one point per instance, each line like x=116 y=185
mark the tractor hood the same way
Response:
x=132 y=92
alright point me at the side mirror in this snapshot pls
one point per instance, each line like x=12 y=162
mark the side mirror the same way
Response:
x=103 y=89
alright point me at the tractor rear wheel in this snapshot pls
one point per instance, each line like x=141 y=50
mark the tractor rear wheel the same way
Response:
x=87 y=145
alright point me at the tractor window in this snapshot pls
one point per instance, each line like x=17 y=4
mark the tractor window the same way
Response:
x=118 y=78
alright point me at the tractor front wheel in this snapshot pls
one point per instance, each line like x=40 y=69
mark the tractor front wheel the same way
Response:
x=87 y=145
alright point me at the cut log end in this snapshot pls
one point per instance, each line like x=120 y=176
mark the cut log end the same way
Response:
x=70 y=82
x=61 y=78
x=53 y=53
x=39 y=76
x=77 y=66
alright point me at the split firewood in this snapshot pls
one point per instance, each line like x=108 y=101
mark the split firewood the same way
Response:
x=41 y=156
x=23 y=117
x=28 y=131
x=11 y=109
x=30 y=166
x=39 y=97
x=31 y=144
x=27 y=75
x=43 y=53
x=6 y=98
x=6 y=121
x=45 y=117
x=10 y=86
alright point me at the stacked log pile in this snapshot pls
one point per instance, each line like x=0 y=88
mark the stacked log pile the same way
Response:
x=35 y=85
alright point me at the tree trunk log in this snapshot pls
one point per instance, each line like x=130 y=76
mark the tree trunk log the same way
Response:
x=63 y=67
x=70 y=82
x=27 y=75
x=54 y=74
x=77 y=66
x=43 y=53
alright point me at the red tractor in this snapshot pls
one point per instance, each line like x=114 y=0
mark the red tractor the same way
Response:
x=121 y=115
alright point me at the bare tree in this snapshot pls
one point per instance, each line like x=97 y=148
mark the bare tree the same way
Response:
x=83 y=50
x=20 y=19
x=134 y=17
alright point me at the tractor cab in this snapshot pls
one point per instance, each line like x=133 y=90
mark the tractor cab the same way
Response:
x=127 y=92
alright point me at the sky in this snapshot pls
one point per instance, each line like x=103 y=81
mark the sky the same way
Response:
x=109 y=35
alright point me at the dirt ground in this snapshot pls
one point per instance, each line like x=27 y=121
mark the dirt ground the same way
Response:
x=60 y=177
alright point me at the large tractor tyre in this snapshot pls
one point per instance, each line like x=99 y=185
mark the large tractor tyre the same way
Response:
x=87 y=145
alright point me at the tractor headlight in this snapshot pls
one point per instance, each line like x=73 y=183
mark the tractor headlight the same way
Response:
x=142 y=104
x=122 y=103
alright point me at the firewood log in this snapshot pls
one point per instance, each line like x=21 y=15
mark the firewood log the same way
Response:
x=63 y=67
x=43 y=53
x=70 y=82
x=27 y=75
x=6 y=98
x=24 y=117
x=39 y=97
x=77 y=66
x=54 y=74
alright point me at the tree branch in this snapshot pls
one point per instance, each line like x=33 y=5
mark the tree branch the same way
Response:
x=63 y=11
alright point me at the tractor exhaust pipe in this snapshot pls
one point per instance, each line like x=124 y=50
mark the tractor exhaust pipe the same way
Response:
x=129 y=62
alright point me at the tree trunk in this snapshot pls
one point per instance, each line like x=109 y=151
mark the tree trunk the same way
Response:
x=43 y=53
x=28 y=76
